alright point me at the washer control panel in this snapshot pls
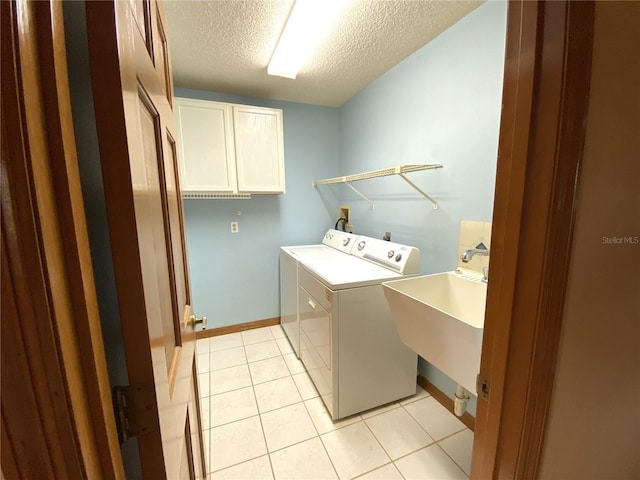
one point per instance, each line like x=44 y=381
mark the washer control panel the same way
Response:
x=395 y=256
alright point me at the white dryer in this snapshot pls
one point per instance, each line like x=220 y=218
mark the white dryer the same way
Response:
x=334 y=243
x=348 y=342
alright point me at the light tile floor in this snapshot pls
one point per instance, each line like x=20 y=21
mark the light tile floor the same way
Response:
x=263 y=419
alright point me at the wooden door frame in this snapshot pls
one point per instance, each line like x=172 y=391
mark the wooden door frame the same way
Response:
x=542 y=132
x=547 y=73
x=57 y=414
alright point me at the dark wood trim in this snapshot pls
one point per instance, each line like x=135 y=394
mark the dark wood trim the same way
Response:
x=89 y=352
x=56 y=404
x=545 y=90
x=241 y=327
x=563 y=159
x=444 y=400
x=522 y=31
x=134 y=121
x=545 y=98
x=198 y=421
x=32 y=417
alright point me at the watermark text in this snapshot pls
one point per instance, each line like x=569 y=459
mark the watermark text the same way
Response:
x=629 y=240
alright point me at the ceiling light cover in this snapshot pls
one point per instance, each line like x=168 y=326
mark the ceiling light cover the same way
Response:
x=306 y=26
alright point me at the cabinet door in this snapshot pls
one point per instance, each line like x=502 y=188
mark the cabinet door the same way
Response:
x=259 y=149
x=206 y=146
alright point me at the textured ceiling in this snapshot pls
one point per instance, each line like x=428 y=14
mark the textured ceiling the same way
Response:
x=225 y=45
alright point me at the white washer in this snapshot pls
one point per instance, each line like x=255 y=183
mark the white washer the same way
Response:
x=335 y=243
x=347 y=339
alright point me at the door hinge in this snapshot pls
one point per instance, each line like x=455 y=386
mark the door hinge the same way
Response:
x=482 y=387
x=135 y=409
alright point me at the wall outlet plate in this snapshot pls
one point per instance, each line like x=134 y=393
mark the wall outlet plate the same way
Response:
x=344 y=211
x=234 y=227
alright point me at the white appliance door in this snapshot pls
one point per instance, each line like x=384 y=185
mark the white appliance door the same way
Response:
x=315 y=344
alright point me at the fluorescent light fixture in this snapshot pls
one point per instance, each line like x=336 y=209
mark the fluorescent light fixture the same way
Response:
x=308 y=23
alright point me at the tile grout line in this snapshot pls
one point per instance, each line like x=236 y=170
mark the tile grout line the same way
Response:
x=258 y=415
x=452 y=434
x=387 y=408
x=306 y=409
x=421 y=426
x=447 y=453
x=318 y=435
x=324 y=447
x=392 y=460
x=364 y=420
x=264 y=436
x=377 y=468
x=221 y=349
x=424 y=448
x=435 y=442
x=451 y=458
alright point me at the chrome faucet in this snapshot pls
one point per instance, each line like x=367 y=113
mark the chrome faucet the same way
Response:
x=480 y=249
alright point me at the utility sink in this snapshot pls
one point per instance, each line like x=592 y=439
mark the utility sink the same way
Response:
x=441 y=318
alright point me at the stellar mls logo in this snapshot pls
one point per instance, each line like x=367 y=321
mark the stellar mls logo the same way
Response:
x=620 y=240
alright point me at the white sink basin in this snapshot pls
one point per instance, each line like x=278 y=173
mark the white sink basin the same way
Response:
x=441 y=318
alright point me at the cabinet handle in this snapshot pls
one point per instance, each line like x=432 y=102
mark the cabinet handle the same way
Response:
x=312 y=304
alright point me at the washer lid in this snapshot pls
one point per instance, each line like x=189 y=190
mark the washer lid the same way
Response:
x=347 y=272
x=333 y=242
x=309 y=251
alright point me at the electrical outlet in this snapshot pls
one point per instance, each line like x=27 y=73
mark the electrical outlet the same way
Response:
x=234 y=227
x=345 y=212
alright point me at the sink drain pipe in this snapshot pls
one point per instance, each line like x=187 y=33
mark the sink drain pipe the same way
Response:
x=461 y=400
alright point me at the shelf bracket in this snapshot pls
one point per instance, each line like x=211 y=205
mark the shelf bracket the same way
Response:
x=400 y=170
x=348 y=184
x=435 y=204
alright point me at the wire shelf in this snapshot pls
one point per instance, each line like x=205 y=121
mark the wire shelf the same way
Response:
x=399 y=170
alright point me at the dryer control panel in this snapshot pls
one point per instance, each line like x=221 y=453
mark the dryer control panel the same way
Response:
x=343 y=241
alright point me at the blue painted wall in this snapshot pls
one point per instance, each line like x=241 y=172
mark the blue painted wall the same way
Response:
x=440 y=105
x=235 y=277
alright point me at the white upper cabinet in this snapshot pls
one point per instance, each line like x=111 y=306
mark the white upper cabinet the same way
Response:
x=259 y=149
x=207 y=160
x=228 y=148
